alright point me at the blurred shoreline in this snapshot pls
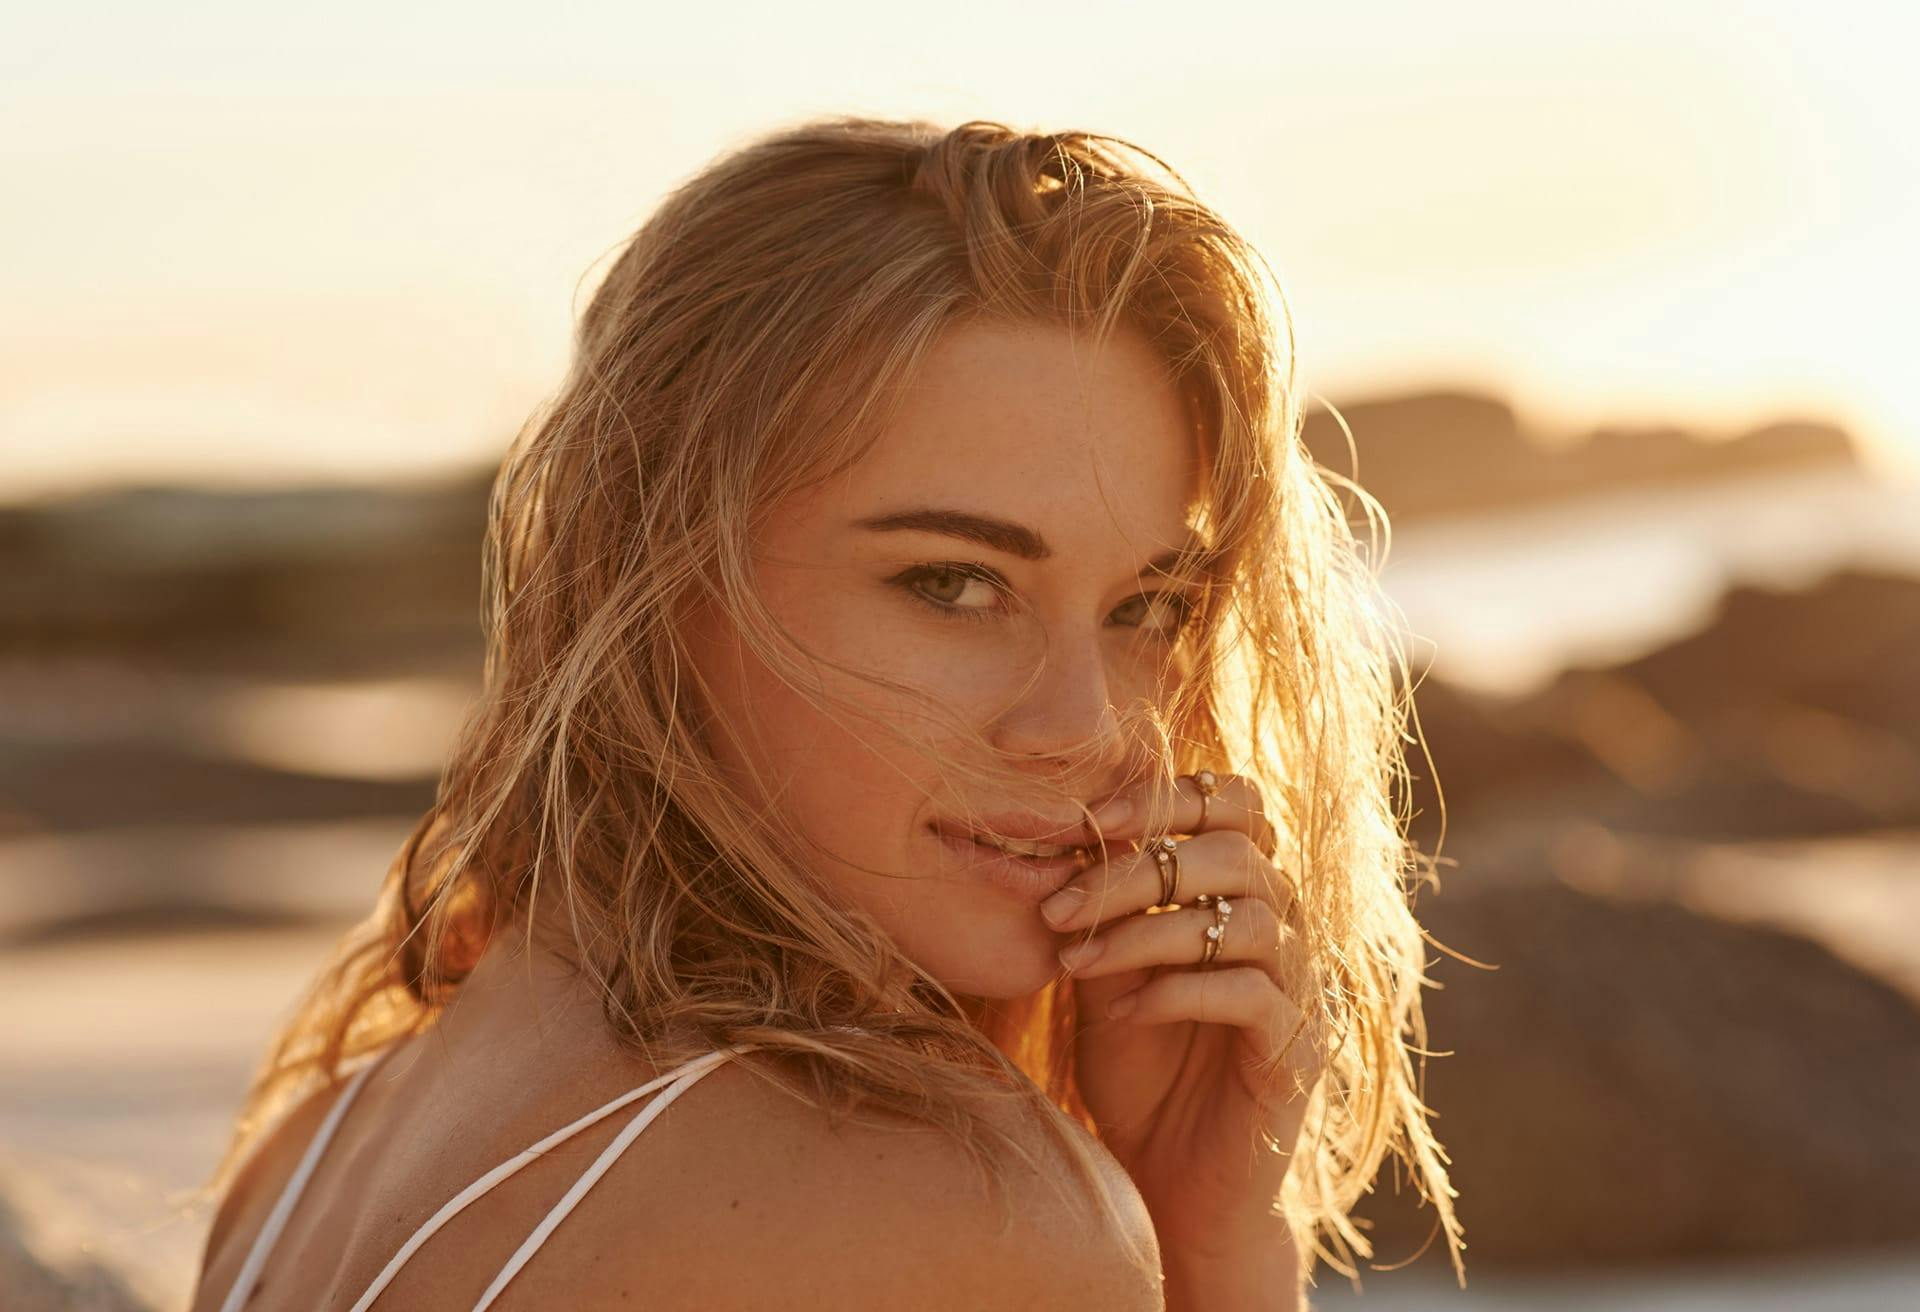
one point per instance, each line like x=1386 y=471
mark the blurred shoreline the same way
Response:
x=1681 y=764
x=112 y=1115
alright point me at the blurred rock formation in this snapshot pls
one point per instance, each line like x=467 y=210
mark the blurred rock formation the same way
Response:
x=1642 y=1078
x=1447 y=453
x=1638 y=1082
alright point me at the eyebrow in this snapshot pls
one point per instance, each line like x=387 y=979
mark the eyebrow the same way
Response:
x=997 y=534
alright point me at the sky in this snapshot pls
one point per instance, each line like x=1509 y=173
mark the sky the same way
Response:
x=245 y=244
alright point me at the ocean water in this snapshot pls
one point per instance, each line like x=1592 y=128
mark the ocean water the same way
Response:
x=1500 y=603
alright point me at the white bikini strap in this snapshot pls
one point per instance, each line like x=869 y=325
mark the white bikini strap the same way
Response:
x=459 y=1202
x=277 y=1219
x=589 y=1178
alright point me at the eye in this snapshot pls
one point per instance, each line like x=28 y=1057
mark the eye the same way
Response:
x=954 y=588
x=1164 y=614
x=941 y=584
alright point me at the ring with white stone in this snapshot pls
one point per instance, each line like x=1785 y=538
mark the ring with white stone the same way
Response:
x=1166 y=855
x=1222 y=911
x=1208 y=784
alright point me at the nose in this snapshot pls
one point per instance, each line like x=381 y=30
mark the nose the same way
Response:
x=1063 y=718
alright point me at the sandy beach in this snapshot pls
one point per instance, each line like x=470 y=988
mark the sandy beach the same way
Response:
x=127 y=1056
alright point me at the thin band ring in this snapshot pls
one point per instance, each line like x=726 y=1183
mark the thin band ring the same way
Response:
x=1208 y=784
x=1222 y=912
x=1166 y=855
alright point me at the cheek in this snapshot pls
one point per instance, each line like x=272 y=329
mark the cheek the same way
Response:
x=848 y=774
x=854 y=632
x=818 y=756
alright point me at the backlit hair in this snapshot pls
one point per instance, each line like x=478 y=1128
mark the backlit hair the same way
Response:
x=749 y=338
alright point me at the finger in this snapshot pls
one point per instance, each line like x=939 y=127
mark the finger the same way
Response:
x=1158 y=808
x=1244 y=997
x=1252 y=931
x=1225 y=864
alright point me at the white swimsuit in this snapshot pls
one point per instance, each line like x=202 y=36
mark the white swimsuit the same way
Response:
x=677 y=1082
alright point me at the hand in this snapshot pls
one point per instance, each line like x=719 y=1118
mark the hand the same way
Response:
x=1178 y=1084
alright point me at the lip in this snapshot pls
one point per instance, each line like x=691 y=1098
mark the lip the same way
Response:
x=1030 y=878
x=1024 y=826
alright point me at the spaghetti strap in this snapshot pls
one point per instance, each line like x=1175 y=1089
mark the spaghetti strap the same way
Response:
x=678 y=1080
x=590 y=1177
x=687 y=1074
x=282 y=1209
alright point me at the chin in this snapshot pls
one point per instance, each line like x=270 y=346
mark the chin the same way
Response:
x=977 y=940
x=1011 y=968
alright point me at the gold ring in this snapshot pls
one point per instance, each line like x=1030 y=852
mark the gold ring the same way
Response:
x=1222 y=912
x=1166 y=855
x=1208 y=785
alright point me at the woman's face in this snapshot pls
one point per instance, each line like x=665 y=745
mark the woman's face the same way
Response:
x=1001 y=534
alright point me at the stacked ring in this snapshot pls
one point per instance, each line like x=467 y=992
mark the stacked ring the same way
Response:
x=1217 y=931
x=1166 y=855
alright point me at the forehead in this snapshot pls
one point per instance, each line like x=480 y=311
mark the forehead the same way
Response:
x=1029 y=422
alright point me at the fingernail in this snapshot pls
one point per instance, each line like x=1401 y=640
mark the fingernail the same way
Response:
x=1059 y=908
x=1081 y=953
x=1122 y=1007
x=1113 y=812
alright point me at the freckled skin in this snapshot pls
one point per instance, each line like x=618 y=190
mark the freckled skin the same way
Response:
x=1023 y=423
x=1094 y=453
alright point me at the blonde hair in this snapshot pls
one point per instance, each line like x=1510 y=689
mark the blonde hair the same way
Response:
x=749 y=338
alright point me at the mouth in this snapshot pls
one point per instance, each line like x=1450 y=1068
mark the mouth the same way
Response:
x=1049 y=852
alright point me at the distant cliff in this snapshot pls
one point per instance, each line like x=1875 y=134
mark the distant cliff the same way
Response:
x=1440 y=453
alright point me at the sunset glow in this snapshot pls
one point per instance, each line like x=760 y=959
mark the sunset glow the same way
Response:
x=250 y=251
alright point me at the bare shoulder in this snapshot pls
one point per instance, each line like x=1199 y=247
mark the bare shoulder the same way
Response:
x=257 y=1182
x=751 y=1199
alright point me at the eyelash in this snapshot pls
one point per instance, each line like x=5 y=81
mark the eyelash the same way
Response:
x=905 y=580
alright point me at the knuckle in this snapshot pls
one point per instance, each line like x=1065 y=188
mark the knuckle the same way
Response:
x=1249 y=852
x=1246 y=794
x=1213 y=842
x=1263 y=923
x=1274 y=884
x=1247 y=986
x=1231 y=846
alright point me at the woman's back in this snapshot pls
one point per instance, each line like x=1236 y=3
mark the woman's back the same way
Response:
x=270 y=1199
x=735 y=1193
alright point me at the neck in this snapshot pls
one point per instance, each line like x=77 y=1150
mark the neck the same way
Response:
x=524 y=987
x=527 y=974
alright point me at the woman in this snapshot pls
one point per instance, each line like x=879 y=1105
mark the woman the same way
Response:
x=932 y=703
